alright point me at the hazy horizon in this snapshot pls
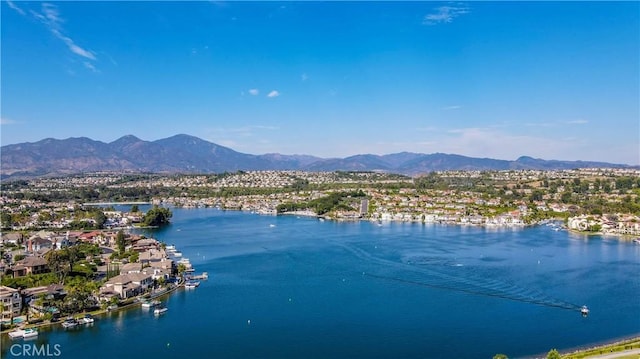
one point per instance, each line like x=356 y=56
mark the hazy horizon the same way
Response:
x=550 y=80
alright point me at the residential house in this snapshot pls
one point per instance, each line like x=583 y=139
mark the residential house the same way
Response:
x=37 y=243
x=129 y=268
x=126 y=285
x=47 y=293
x=11 y=302
x=30 y=265
x=14 y=238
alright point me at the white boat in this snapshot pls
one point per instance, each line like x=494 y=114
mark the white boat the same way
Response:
x=69 y=323
x=191 y=284
x=160 y=310
x=30 y=333
x=584 y=310
x=150 y=304
x=88 y=319
x=16 y=334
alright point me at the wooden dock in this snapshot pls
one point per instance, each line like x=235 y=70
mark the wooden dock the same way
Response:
x=204 y=275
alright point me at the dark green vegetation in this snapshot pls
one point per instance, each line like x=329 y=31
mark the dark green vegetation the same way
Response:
x=65 y=264
x=333 y=202
x=157 y=217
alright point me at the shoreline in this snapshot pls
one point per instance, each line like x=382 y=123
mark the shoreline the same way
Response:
x=100 y=312
x=584 y=351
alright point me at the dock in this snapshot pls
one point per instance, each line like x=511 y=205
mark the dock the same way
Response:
x=204 y=275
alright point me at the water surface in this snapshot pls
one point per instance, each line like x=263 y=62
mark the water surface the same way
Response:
x=286 y=286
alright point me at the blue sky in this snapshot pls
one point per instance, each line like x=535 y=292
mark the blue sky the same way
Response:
x=554 y=80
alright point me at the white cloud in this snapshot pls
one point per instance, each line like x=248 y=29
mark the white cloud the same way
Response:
x=304 y=77
x=6 y=121
x=445 y=14
x=254 y=92
x=449 y=108
x=50 y=17
x=15 y=7
x=273 y=93
x=90 y=66
x=577 y=122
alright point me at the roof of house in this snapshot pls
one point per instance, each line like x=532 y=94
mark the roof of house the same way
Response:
x=129 y=267
x=4 y=290
x=32 y=261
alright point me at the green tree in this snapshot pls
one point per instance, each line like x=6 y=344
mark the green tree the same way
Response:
x=553 y=354
x=73 y=254
x=120 y=241
x=58 y=263
x=500 y=356
x=157 y=217
x=5 y=220
x=181 y=269
x=134 y=208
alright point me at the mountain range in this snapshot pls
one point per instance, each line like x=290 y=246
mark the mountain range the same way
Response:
x=189 y=154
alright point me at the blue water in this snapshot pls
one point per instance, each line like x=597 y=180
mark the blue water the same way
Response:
x=283 y=287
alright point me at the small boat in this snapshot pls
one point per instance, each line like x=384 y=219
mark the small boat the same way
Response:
x=151 y=304
x=69 y=323
x=30 y=333
x=584 y=311
x=191 y=284
x=88 y=319
x=16 y=334
x=160 y=310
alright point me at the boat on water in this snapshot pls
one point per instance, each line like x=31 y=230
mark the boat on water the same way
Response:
x=160 y=310
x=16 y=334
x=151 y=304
x=584 y=311
x=191 y=284
x=88 y=319
x=30 y=333
x=69 y=323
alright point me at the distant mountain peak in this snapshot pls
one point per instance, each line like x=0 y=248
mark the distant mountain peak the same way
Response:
x=184 y=153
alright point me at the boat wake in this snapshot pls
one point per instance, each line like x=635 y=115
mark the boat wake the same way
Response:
x=442 y=275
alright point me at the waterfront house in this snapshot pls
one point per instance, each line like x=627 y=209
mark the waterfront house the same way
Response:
x=157 y=273
x=145 y=244
x=47 y=293
x=126 y=285
x=11 y=303
x=129 y=268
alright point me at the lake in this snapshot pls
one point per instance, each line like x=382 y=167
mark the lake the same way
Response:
x=296 y=287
